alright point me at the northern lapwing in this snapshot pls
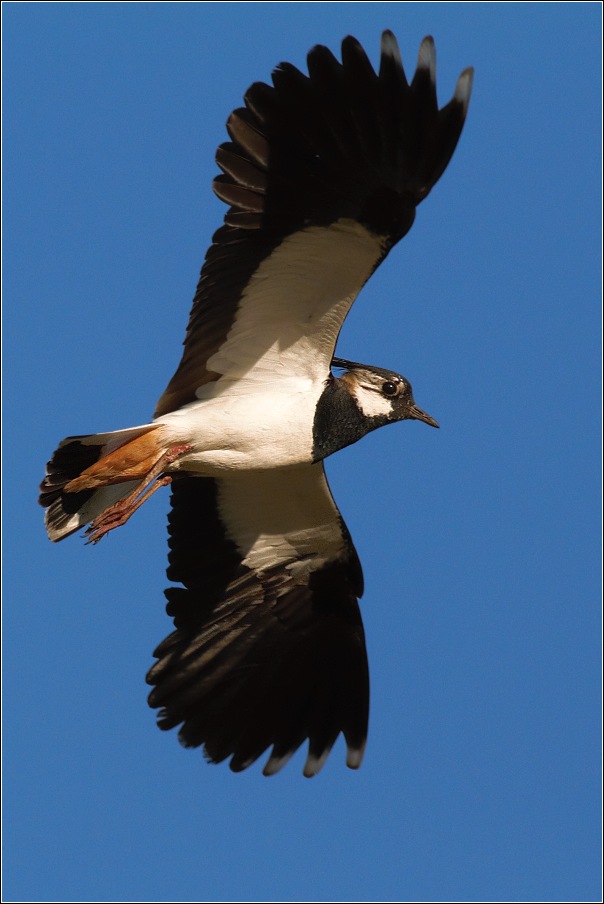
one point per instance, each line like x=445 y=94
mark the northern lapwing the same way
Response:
x=322 y=175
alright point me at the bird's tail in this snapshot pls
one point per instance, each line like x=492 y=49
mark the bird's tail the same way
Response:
x=89 y=474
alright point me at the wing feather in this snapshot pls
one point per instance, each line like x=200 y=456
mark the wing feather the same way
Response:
x=308 y=154
x=269 y=646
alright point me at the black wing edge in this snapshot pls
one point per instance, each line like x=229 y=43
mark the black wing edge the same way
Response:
x=257 y=661
x=340 y=142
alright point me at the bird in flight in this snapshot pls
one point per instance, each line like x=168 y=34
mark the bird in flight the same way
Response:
x=322 y=176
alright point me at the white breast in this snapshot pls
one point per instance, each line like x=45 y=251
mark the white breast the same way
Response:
x=242 y=425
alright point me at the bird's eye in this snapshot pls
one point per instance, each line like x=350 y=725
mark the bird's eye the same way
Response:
x=389 y=389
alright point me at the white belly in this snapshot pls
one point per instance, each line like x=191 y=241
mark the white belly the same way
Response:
x=246 y=427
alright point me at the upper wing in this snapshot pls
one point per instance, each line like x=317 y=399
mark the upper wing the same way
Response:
x=269 y=647
x=322 y=174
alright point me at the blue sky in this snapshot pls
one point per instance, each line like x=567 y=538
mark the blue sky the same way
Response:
x=480 y=542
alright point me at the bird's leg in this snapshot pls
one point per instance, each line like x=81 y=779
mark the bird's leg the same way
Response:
x=123 y=509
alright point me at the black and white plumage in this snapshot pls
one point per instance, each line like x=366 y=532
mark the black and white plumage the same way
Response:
x=322 y=176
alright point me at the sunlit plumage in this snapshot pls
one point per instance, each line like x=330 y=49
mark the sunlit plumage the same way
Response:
x=322 y=175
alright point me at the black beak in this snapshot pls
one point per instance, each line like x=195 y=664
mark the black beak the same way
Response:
x=418 y=415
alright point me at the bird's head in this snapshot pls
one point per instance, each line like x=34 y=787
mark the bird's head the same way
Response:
x=381 y=394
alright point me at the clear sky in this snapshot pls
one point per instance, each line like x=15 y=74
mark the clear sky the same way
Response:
x=480 y=542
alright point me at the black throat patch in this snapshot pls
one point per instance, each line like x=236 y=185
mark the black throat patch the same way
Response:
x=339 y=421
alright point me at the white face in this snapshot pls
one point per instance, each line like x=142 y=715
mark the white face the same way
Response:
x=377 y=395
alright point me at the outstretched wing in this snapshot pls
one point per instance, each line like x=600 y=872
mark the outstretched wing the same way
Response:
x=322 y=174
x=269 y=647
